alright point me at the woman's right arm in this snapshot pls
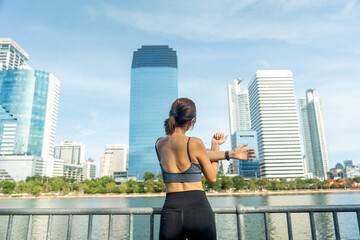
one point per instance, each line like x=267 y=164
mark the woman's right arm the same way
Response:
x=210 y=169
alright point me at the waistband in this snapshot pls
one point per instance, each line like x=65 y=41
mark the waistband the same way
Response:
x=186 y=198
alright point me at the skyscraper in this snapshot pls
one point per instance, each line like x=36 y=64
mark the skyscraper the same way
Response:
x=315 y=143
x=274 y=118
x=240 y=128
x=154 y=86
x=12 y=56
x=239 y=113
x=28 y=115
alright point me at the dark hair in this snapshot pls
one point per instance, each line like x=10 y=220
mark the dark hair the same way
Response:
x=182 y=111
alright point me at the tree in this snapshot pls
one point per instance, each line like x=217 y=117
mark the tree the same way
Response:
x=22 y=187
x=47 y=187
x=57 y=184
x=239 y=182
x=262 y=183
x=226 y=182
x=36 y=190
x=7 y=186
x=252 y=184
x=149 y=186
x=149 y=176
x=132 y=186
x=160 y=186
x=110 y=187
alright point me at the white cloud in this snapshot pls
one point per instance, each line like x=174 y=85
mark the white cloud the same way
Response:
x=220 y=23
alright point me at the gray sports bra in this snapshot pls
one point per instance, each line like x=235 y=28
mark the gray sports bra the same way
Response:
x=192 y=174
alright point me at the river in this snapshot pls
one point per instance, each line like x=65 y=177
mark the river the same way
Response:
x=226 y=223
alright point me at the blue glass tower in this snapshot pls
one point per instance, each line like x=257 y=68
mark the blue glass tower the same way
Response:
x=154 y=86
x=28 y=110
x=247 y=169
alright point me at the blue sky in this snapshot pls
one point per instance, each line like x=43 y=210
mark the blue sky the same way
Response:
x=88 y=45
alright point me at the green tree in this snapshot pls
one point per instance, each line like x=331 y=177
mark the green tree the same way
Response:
x=57 y=184
x=149 y=176
x=252 y=184
x=160 y=185
x=226 y=182
x=36 y=190
x=105 y=180
x=216 y=186
x=239 y=182
x=149 y=186
x=110 y=187
x=132 y=186
x=47 y=187
x=22 y=187
x=262 y=183
x=7 y=186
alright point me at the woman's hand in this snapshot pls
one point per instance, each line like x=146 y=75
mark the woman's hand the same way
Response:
x=242 y=154
x=217 y=140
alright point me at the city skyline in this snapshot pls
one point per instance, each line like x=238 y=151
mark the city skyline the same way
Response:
x=216 y=44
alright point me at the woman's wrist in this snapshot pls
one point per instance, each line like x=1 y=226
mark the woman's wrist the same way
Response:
x=215 y=146
x=231 y=154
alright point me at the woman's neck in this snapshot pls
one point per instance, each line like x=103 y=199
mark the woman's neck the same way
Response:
x=179 y=131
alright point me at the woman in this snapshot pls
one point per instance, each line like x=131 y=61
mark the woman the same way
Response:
x=186 y=212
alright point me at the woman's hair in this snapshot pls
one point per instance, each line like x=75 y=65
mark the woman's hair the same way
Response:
x=182 y=111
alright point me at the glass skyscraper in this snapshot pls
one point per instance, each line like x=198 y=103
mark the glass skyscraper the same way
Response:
x=28 y=112
x=154 y=86
x=315 y=143
x=247 y=169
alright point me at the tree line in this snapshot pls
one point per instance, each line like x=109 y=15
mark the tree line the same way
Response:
x=37 y=185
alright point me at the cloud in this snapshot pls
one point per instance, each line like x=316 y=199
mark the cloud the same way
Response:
x=227 y=21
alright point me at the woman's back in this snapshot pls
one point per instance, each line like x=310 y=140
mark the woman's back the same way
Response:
x=181 y=171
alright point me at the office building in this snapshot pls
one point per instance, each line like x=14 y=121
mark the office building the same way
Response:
x=239 y=113
x=315 y=143
x=28 y=115
x=73 y=171
x=71 y=152
x=12 y=56
x=154 y=87
x=353 y=171
x=247 y=169
x=274 y=118
x=348 y=163
x=89 y=167
x=114 y=161
x=240 y=129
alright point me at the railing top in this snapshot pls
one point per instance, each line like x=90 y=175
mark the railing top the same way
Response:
x=148 y=211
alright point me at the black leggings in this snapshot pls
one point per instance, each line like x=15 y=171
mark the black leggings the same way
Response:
x=187 y=215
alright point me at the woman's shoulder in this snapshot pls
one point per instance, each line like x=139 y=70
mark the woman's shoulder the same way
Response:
x=196 y=141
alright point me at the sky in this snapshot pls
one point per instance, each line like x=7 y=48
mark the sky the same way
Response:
x=88 y=46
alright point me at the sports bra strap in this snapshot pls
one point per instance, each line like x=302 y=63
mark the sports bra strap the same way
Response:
x=188 y=150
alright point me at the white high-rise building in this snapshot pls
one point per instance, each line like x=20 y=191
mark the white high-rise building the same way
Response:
x=71 y=152
x=114 y=160
x=274 y=118
x=12 y=56
x=315 y=143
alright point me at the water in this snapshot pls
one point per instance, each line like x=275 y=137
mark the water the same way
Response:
x=226 y=223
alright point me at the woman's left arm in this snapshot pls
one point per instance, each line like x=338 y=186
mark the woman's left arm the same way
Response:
x=239 y=153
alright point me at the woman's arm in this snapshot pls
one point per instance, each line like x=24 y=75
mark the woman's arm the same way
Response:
x=239 y=153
